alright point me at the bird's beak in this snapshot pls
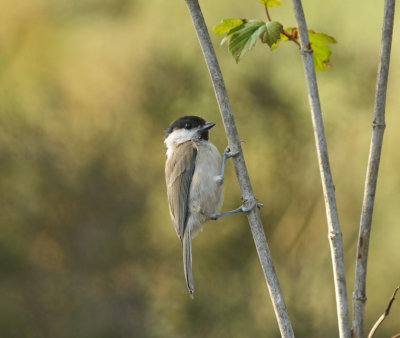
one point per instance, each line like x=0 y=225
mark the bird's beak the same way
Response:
x=208 y=125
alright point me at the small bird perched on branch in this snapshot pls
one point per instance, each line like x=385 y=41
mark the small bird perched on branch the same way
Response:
x=194 y=175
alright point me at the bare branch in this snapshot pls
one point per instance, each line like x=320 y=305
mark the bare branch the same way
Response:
x=335 y=234
x=241 y=170
x=378 y=125
x=384 y=315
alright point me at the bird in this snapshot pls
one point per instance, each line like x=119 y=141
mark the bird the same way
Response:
x=194 y=174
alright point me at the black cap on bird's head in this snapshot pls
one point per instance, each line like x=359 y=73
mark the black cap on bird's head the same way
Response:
x=190 y=122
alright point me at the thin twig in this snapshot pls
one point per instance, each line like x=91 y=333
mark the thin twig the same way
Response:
x=378 y=125
x=291 y=38
x=241 y=170
x=267 y=12
x=335 y=234
x=384 y=315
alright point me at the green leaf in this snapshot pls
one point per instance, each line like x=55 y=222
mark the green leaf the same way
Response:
x=271 y=34
x=227 y=25
x=322 y=51
x=319 y=43
x=243 y=38
x=271 y=3
x=321 y=37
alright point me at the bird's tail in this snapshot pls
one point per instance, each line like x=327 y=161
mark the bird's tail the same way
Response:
x=187 y=259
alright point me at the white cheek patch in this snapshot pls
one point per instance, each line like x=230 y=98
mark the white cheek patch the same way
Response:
x=178 y=137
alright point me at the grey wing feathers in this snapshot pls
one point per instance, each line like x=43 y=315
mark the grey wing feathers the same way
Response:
x=187 y=260
x=179 y=173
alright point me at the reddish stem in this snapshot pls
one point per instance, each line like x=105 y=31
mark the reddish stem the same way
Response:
x=267 y=12
x=290 y=37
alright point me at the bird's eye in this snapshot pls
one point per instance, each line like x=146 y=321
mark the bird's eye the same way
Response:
x=188 y=126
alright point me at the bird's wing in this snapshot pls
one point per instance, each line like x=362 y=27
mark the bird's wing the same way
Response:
x=179 y=173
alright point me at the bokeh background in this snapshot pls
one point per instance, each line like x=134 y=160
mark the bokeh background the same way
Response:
x=87 y=248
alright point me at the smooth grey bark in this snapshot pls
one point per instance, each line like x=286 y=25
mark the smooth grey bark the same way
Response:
x=335 y=234
x=249 y=200
x=378 y=128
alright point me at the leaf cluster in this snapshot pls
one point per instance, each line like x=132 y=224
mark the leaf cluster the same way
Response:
x=242 y=34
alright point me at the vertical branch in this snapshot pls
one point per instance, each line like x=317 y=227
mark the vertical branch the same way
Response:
x=241 y=170
x=378 y=128
x=335 y=235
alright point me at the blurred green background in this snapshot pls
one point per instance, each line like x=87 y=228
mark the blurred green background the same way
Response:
x=87 y=248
